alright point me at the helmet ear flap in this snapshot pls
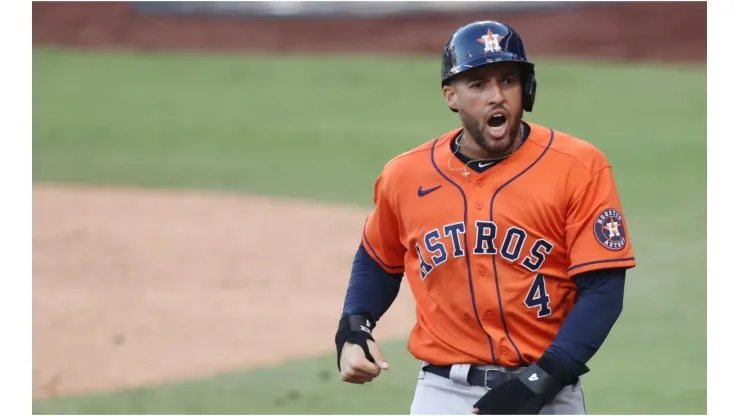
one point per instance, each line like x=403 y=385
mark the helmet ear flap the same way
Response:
x=529 y=92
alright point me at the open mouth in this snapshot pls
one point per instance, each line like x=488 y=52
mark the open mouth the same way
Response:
x=497 y=124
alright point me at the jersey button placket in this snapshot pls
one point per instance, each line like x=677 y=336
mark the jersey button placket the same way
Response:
x=478 y=195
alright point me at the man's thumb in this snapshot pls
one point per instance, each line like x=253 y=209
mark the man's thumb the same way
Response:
x=377 y=355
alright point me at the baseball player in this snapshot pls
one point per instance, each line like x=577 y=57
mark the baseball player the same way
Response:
x=512 y=239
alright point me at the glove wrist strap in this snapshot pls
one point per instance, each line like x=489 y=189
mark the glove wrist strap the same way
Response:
x=546 y=377
x=354 y=329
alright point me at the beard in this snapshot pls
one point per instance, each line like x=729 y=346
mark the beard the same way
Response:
x=488 y=146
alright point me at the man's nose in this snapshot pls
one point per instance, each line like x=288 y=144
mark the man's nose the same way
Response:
x=495 y=94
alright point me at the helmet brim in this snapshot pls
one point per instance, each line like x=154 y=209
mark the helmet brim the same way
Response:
x=485 y=60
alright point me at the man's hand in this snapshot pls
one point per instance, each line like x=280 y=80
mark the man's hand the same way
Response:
x=356 y=368
x=358 y=357
x=529 y=392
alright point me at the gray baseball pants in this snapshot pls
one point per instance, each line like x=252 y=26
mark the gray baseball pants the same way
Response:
x=436 y=395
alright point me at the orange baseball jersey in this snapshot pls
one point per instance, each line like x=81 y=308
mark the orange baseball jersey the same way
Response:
x=490 y=257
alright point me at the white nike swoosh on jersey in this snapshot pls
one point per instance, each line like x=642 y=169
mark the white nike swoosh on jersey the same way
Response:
x=483 y=165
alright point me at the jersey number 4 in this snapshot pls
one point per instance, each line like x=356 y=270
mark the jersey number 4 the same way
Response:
x=537 y=297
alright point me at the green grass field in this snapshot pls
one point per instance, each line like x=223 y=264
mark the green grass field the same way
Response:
x=322 y=127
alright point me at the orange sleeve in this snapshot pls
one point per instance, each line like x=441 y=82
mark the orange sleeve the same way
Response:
x=596 y=229
x=381 y=235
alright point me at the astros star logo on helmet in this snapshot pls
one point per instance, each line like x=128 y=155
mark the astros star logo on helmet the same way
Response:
x=491 y=42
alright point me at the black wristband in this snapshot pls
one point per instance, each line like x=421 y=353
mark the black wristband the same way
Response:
x=556 y=369
x=355 y=329
x=546 y=377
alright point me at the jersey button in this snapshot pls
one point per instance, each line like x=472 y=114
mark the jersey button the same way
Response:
x=482 y=271
x=489 y=314
x=479 y=183
x=504 y=350
x=479 y=205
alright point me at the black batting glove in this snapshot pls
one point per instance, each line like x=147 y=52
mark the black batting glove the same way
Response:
x=355 y=329
x=529 y=392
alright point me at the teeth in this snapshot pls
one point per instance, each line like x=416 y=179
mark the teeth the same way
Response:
x=499 y=129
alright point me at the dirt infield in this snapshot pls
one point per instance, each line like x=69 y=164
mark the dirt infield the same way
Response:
x=134 y=287
x=634 y=31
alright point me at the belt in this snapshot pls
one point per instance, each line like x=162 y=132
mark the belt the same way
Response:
x=482 y=377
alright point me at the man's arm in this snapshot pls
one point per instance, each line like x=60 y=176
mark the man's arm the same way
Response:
x=600 y=299
x=600 y=253
x=374 y=283
x=370 y=293
x=371 y=289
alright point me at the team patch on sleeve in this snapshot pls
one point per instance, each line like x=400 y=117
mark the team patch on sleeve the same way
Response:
x=609 y=229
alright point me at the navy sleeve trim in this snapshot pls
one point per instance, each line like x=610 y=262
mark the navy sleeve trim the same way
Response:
x=599 y=261
x=383 y=263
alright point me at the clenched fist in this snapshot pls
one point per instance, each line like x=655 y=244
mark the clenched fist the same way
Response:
x=356 y=368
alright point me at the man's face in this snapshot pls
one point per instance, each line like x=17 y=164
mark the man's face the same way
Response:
x=489 y=101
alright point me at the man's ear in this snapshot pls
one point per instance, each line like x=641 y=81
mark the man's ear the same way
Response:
x=450 y=96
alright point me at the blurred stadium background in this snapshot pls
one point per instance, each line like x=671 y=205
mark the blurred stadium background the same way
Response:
x=202 y=171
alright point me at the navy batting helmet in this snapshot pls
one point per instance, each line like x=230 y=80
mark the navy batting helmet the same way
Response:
x=486 y=42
